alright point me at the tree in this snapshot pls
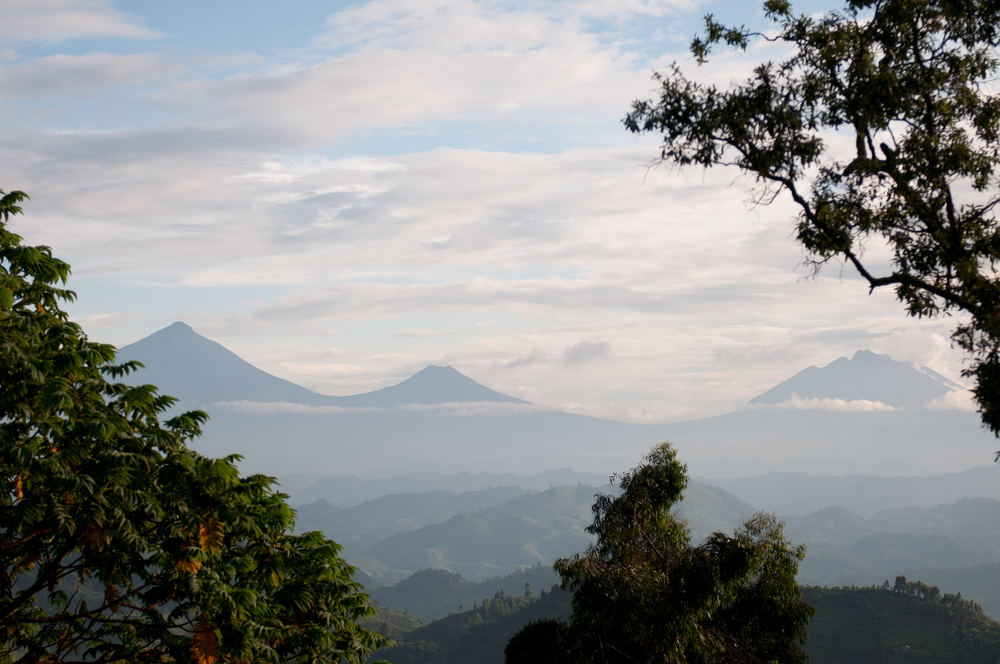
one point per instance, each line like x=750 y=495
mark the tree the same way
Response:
x=119 y=543
x=643 y=593
x=909 y=82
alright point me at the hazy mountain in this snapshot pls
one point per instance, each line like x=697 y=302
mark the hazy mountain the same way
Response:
x=186 y=365
x=431 y=385
x=521 y=532
x=842 y=545
x=372 y=521
x=496 y=540
x=348 y=490
x=864 y=377
x=798 y=494
x=442 y=421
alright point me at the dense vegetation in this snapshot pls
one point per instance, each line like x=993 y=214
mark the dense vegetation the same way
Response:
x=435 y=593
x=478 y=635
x=118 y=542
x=643 y=592
x=909 y=621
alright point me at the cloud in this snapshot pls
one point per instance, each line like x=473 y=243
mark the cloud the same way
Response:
x=419 y=168
x=279 y=407
x=475 y=408
x=535 y=357
x=798 y=403
x=452 y=409
x=83 y=75
x=954 y=400
x=586 y=352
x=58 y=20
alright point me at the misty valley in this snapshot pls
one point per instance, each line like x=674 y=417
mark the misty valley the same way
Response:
x=452 y=500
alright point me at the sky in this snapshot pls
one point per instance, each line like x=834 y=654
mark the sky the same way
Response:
x=345 y=193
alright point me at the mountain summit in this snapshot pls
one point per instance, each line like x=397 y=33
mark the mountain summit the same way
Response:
x=866 y=376
x=431 y=385
x=184 y=364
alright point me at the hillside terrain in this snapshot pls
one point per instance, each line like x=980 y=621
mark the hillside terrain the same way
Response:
x=434 y=593
x=851 y=626
x=361 y=526
x=872 y=625
x=482 y=534
x=799 y=494
x=843 y=545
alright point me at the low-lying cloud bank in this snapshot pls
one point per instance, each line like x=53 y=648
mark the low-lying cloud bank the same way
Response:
x=954 y=400
x=452 y=409
x=282 y=407
x=798 y=403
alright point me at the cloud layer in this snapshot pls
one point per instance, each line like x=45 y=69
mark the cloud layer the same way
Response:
x=422 y=183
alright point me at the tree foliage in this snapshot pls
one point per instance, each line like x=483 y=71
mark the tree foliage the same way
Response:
x=119 y=543
x=644 y=593
x=909 y=83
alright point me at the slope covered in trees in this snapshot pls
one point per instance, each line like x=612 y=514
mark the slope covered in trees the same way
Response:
x=909 y=621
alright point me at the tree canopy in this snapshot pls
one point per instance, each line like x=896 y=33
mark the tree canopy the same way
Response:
x=118 y=542
x=909 y=82
x=644 y=593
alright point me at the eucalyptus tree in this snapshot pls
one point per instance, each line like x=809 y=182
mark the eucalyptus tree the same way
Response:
x=644 y=593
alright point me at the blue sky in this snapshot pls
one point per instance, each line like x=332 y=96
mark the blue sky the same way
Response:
x=345 y=193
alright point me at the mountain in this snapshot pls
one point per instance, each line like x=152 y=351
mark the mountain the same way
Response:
x=372 y=521
x=864 y=377
x=497 y=539
x=196 y=370
x=798 y=494
x=184 y=364
x=842 y=545
x=350 y=490
x=442 y=421
x=434 y=593
x=431 y=385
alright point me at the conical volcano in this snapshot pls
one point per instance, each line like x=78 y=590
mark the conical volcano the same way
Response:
x=431 y=385
x=866 y=376
x=186 y=365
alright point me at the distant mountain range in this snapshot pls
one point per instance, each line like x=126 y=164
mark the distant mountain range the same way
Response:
x=863 y=415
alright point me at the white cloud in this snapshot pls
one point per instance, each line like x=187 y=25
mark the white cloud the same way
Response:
x=278 y=407
x=451 y=409
x=475 y=408
x=798 y=403
x=230 y=201
x=954 y=400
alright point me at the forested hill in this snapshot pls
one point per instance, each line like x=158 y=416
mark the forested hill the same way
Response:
x=912 y=622
x=851 y=625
